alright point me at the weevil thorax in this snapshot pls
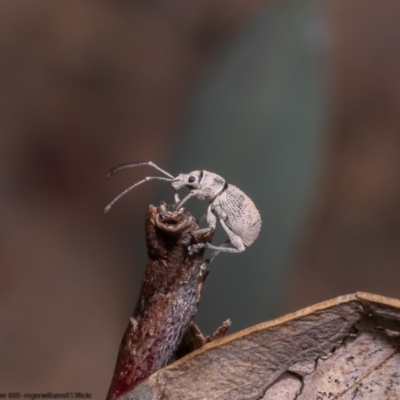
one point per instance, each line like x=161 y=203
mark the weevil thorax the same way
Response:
x=208 y=183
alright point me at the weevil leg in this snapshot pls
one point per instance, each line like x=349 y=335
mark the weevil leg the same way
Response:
x=211 y=220
x=234 y=239
x=241 y=247
x=176 y=197
x=194 y=193
x=213 y=255
x=185 y=199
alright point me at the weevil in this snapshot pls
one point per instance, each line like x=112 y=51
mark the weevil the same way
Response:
x=236 y=212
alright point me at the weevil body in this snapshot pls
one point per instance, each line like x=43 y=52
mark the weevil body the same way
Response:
x=235 y=210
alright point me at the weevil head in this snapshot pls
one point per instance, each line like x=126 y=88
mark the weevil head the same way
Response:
x=207 y=183
x=190 y=180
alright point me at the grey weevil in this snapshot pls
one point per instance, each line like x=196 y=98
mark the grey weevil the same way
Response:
x=235 y=210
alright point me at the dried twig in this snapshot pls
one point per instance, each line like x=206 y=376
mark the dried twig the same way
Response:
x=168 y=299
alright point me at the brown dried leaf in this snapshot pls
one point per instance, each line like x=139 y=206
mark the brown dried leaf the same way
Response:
x=345 y=348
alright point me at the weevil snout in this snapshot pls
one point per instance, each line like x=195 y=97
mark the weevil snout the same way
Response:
x=190 y=180
x=178 y=182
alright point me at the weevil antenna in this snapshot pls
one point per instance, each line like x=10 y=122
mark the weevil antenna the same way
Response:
x=133 y=165
x=148 y=178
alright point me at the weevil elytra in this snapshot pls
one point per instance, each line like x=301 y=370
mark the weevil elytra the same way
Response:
x=235 y=210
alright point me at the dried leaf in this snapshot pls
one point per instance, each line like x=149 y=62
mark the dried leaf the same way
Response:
x=345 y=348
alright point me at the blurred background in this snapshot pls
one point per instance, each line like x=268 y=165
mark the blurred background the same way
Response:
x=294 y=101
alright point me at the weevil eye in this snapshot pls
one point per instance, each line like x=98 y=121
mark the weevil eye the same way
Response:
x=191 y=179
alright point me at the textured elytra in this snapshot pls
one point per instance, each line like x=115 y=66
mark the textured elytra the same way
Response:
x=242 y=215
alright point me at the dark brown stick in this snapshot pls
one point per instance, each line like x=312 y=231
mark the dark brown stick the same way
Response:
x=168 y=299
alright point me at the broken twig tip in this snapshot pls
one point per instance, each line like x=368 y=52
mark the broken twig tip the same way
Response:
x=168 y=300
